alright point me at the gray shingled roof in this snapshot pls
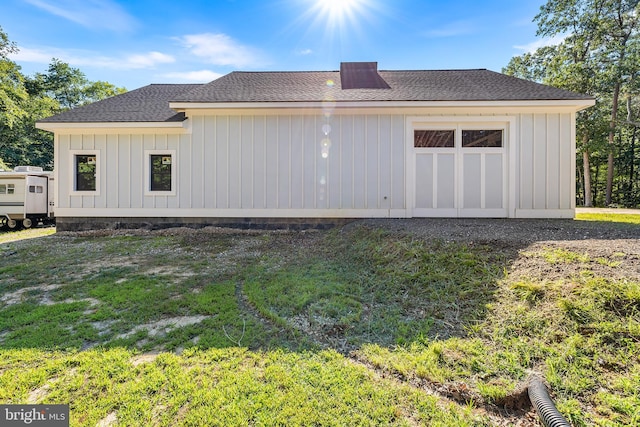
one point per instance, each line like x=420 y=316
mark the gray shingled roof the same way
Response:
x=147 y=104
x=441 y=85
x=151 y=103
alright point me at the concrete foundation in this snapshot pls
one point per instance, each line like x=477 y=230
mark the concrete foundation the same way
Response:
x=153 y=223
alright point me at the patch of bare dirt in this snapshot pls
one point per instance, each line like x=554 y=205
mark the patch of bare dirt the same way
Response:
x=164 y=326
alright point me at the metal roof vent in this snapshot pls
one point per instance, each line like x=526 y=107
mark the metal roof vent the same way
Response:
x=361 y=75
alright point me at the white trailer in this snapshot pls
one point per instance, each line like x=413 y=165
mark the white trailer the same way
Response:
x=26 y=197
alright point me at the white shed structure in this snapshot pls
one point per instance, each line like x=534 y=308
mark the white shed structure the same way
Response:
x=308 y=147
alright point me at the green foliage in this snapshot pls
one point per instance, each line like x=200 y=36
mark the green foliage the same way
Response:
x=69 y=86
x=25 y=100
x=598 y=55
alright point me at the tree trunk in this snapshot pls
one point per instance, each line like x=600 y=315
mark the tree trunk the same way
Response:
x=586 y=168
x=632 y=154
x=612 y=132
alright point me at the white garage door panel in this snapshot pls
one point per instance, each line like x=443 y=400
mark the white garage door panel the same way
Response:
x=472 y=181
x=460 y=181
x=494 y=177
x=424 y=181
x=446 y=180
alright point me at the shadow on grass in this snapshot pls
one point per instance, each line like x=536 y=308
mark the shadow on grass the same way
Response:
x=385 y=282
x=416 y=299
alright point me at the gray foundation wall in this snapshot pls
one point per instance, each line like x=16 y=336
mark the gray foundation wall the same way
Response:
x=100 y=223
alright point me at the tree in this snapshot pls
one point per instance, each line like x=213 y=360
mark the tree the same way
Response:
x=599 y=55
x=69 y=86
x=12 y=90
x=25 y=100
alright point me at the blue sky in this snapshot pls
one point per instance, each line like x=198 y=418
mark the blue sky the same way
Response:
x=133 y=43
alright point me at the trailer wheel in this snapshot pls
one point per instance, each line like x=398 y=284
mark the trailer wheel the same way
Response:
x=12 y=223
x=3 y=222
x=27 y=223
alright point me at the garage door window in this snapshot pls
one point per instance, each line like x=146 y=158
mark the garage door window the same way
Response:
x=433 y=138
x=482 y=138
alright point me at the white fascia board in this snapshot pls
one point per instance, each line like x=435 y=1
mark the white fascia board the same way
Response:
x=57 y=127
x=578 y=104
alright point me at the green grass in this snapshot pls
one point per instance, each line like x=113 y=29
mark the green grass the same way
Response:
x=33 y=233
x=220 y=387
x=614 y=217
x=341 y=327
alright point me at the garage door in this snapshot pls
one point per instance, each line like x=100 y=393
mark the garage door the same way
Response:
x=460 y=170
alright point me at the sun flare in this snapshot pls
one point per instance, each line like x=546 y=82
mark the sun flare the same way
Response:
x=340 y=11
x=338 y=7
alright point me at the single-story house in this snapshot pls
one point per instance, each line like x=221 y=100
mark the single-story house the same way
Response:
x=277 y=148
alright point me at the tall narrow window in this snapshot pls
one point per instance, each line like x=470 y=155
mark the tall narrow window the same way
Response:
x=160 y=172
x=85 y=172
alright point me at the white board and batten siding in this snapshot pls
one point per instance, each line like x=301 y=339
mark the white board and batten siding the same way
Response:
x=247 y=166
x=546 y=163
x=272 y=165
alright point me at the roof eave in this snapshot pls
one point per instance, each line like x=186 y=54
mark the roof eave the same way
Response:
x=577 y=104
x=58 y=126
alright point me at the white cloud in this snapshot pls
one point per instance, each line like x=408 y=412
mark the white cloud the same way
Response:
x=148 y=60
x=202 y=76
x=97 y=14
x=304 y=52
x=79 y=58
x=535 y=45
x=220 y=49
x=34 y=55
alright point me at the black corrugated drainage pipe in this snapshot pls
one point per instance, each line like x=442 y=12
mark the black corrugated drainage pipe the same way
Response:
x=543 y=404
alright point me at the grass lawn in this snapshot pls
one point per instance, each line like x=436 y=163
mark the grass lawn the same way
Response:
x=352 y=326
x=609 y=217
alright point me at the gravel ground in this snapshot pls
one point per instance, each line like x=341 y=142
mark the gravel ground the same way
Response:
x=517 y=231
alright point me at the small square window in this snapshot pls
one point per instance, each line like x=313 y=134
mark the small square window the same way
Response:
x=11 y=188
x=3 y=188
x=32 y=189
x=433 y=138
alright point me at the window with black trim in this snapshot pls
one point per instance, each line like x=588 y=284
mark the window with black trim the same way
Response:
x=482 y=138
x=160 y=169
x=85 y=168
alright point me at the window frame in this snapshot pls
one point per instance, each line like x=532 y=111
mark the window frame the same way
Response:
x=453 y=132
x=147 y=172
x=74 y=174
x=481 y=147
